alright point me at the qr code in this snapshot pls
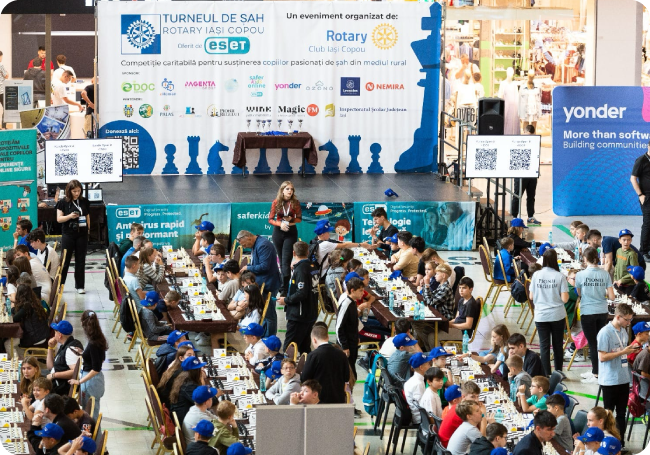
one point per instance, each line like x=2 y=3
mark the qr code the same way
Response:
x=65 y=164
x=486 y=160
x=131 y=152
x=101 y=163
x=519 y=159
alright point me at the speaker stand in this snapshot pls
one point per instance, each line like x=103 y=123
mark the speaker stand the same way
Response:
x=492 y=225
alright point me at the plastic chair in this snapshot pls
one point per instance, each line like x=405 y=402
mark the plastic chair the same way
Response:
x=487 y=269
x=580 y=421
x=425 y=437
x=440 y=450
x=569 y=409
x=555 y=379
x=561 y=387
x=384 y=385
x=402 y=420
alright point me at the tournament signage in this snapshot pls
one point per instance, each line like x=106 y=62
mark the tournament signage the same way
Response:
x=172 y=224
x=18 y=196
x=598 y=133
x=185 y=77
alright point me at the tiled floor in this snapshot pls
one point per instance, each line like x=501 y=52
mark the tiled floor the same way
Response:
x=123 y=404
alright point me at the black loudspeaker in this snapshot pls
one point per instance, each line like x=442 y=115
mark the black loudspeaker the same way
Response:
x=491 y=112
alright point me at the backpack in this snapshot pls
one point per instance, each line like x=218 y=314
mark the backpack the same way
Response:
x=126 y=318
x=113 y=252
x=518 y=290
x=370 y=393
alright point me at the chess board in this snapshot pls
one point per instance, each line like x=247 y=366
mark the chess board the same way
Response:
x=8 y=388
x=11 y=417
x=7 y=402
x=9 y=375
x=17 y=447
x=10 y=433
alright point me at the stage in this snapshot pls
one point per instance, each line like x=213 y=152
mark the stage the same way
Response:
x=188 y=189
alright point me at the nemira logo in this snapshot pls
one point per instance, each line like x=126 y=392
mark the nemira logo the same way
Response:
x=128 y=212
x=227 y=45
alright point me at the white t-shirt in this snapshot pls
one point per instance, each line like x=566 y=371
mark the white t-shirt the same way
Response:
x=258 y=350
x=388 y=348
x=325 y=248
x=546 y=287
x=463 y=437
x=52 y=256
x=431 y=402
x=42 y=278
x=71 y=357
x=60 y=90
x=59 y=72
x=38 y=405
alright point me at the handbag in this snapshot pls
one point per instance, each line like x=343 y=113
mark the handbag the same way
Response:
x=580 y=340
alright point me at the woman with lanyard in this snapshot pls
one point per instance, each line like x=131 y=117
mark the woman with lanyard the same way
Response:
x=549 y=291
x=73 y=213
x=284 y=215
x=92 y=378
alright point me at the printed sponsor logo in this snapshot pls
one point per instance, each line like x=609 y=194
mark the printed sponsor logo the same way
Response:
x=140 y=34
x=168 y=88
x=130 y=212
x=370 y=86
x=136 y=87
x=350 y=86
x=206 y=85
x=312 y=110
x=231 y=85
x=291 y=85
x=128 y=110
x=330 y=110
x=227 y=45
x=145 y=111
x=166 y=112
x=384 y=36
x=319 y=86
x=214 y=112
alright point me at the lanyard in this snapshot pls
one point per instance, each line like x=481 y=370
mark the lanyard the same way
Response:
x=286 y=211
x=78 y=207
x=619 y=338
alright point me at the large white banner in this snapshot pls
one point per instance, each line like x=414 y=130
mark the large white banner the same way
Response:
x=179 y=80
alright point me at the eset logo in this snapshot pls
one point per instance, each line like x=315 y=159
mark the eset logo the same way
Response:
x=133 y=212
x=312 y=110
x=370 y=86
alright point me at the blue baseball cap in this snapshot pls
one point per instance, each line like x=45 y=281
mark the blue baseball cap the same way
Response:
x=218 y=266
x=176 y=335
x=623 y=232
x=63 y=327
x=499 y=451
x=637 y=272
x=593 y=434
x=88 y=445
x=351 y=275
x=322 y=227
x=518 y=222
x=188 y=343
x=274 y=371
x=403 y=339
x=272 y=342
x=151 y=298
x=192 y=363
x=203 y=393
x=205 y=226
x=51 y=430
x=543 y=247
x=640 y=327
x=439 y=352
x=419 y=359
x=238 y=449
x=567 y=402
x=609 y=446
x=252 y=329
x=391 y=239
x=205 y=428
x=452 y=392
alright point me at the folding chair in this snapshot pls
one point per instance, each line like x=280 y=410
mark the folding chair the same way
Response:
x=90 y=406
x=459 y=344
x=637 y=380
x=292 y=351
x=266 y=307
x=237 y=254
x=101 y=443
x=116 y=301
x=75 y=375
x=569 y=336
x=329 y=315
x=146 y=346
x=98 y=424
x=486 y=264
x=531 y=306
x=181 y=444
x=244 y=262
x=505 y=285
x=301 y=362
x=511 y=301
x=150 y=368
x=425 y=438
x=158 y=438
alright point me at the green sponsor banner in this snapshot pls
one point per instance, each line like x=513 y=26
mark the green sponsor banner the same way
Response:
x=254 y=217
x=442 y=225
x=172 y=224
x=18 y=195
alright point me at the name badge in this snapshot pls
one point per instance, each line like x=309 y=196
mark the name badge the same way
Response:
x=82 y=221
x=623 y=361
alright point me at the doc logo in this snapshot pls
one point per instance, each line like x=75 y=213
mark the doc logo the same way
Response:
x=227 y=45
x=128 y=212
x=140 y=34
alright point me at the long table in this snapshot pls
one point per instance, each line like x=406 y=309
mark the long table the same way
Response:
x=302 y=141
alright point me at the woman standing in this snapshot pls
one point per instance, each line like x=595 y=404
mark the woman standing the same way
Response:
x=549 y=291
x=284 y=215
x=92 y=378
x=516 y=233
x=593 y=285
x=73 y=213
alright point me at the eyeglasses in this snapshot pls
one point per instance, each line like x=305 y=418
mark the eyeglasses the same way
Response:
x=628 y=319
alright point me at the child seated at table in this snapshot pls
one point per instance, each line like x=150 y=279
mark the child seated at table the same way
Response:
x=468 y=313
x=230 y=288
x=430 y=400
x=475 y=422
x=131 y=266
x=625 y=257
x=225 y=428
x=207 y=240
x=589 y=442
x=499 y=352
x=453 y=396
x=171 y=300
x=272 y=345
x=74 y=412
x=517 y=376
x=641 y=334
x=41 y=388
x=555 y=404
x=538 y=390
x=579 y=240
x=213 y=262
x=153 y=328
x=440 y=361
x=398 y=363
x=256 y=348
x=640 y=291
x=239 y=302
x=254 y=305
x=507 y=246
x=202 y=435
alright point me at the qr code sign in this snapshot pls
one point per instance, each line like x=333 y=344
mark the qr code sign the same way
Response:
x=101 y=163
x=486 y=160
x=131 y=152
x=519 y=159
x=65 y=164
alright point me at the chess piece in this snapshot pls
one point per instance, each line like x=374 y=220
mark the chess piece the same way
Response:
x=332 y=160
x=354 y=167
x=237 y=170
x=262 y=165
x=215 y=164
x=284 y=167
x=193 y=167
x=309 y=169
x=375 y=166
x=422 y=156
x=170 y=168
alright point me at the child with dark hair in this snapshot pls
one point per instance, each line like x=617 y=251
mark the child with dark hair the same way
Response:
x=555 y=404
x=85 y=422
x=468 y=313
x=347 y=321
x=430 y=401
x=507 y=246
x=28 y=311
x=230 y=288
x=338 y=265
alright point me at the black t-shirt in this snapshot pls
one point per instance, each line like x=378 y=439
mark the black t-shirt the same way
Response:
x=641 y=170
x=383 y=235
x=471 y=309
x=90 y=93
x=67 y=207
x=640 y=292
x=533 y=364
x=93 y=357
x=421 y=270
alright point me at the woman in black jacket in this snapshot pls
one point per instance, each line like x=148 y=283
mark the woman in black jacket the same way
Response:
x=347 y=321
x=181 y=395
x=173 y=371
x=28 y=311
x=516 y=233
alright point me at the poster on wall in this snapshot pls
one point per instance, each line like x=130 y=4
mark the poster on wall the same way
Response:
x=18 y=97
x=503 y=156
x=86 y=160
x=442 y=225
x=172 y=224
x=598 y=133
x=18 y=195
x=186 y=77
x=254 y=217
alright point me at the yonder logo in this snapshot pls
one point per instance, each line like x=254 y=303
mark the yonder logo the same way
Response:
x=227 y=45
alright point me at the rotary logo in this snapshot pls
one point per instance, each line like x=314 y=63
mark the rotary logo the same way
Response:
x=384 y=36
x=128 y=110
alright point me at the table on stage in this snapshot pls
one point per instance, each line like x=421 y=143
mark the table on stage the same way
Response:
x=302 y=141
x=98 y=224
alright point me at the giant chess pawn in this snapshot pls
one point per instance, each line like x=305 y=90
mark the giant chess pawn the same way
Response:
x=375 y=166
x=262 y=164
x=284 y=167
x=170 y=168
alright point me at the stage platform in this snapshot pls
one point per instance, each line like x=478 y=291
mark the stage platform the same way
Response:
x=187 y=189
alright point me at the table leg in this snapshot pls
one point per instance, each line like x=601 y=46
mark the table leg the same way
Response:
x=435 y=333
x=304 y=163
x=392 y=329
x=11 y=353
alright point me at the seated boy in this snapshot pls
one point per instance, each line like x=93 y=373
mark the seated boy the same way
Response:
x=131 y=265
x=126 y=243
x=495 y=437
x=225 y=429
x=453 y=396
x=202 y=435
x=200 y=229
x=517 y=376
x=532 y=361
x=272 y=346
x=402 y=325
x=280 y=392
x=414 y=387
x=171 y=301
x=451 y=421
x=625 y=257
x=641 y=334
x=610 y=446
x=168 y=350
x=579 y=240
x=153 y=329
x=230 y=288
x=430 y=400
x=468 y=313
x=475 y=422
x=398 y=364
x=256 y=349
x=640 y=292
x=507 y=245
x=41 y=388
x=204 y=398
x=213 y=262
x=442 y=298
x=589 y=441
x=207 y=240
x=238 y=303
x=555 y=404
x=74 y=412
x=538 y=390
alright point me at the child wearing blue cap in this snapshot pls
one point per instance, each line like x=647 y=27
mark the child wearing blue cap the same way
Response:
x=202 y=434
x=625 y=257
x=589 y=442
x=51 y=438
x=83 y=445
x=641 y=334
x=204 y=398
x=205 y=226
x=640 y=292
x=609 y=446
x=272 y=354
x=398 y=363
x=238 y=449
x=166 y=352
x=256 y=349
x=414 y=387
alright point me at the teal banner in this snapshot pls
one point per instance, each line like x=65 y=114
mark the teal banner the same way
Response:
x=172 y=224
x=254 y=217
x=18 y=196
x=443 y=225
